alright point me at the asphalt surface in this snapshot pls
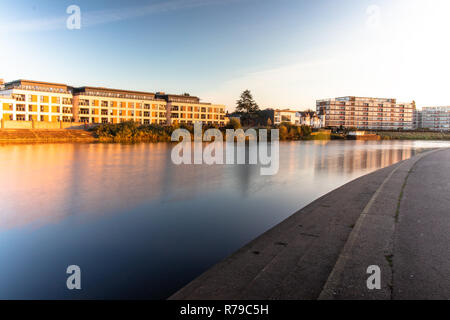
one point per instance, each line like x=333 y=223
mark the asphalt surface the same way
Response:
x=396 y=218
x=422 y=238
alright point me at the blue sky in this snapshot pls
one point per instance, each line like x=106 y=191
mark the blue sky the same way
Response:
x=287 y=52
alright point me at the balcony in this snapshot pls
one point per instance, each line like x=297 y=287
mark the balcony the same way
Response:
x=19 y=97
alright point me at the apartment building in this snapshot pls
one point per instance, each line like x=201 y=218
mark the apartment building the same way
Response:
x=417 y=119
x=366 y=113
x=102 y=105
x=310 y=118
x=186 y=109
x=435 y=118
x=285 y=115
x=25 y=100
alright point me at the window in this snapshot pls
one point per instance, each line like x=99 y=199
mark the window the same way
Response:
x=19 y=97
x=83 y=102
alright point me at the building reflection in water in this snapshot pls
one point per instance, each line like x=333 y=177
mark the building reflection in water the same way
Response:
x=50 y=181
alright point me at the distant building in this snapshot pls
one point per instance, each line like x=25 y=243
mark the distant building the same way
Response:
x=435 y=118
x=286 y=115
x=366 y=113
x=310 y=118
x=417 y=119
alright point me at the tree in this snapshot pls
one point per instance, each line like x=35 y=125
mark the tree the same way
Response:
x=246 y=103
x=234 y=124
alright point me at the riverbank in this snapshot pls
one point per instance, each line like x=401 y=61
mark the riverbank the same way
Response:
x=45 y=135
x=133 y=132
x=413 y=135
x=323 y=251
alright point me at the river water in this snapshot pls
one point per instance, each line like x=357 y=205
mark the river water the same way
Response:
x=140 y=227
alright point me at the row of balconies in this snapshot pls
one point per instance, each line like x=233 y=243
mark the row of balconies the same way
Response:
x=42 y=99
x=111 y=104
x=24 y=117
x=23 y=108
x=121 y=113
x=197 y=109
x=198 y=116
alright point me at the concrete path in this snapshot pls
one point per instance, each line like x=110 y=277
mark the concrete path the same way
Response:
x=422 y=239
x=323 y=251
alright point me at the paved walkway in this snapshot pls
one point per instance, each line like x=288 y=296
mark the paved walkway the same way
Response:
x=422 y=238
x=396 y=218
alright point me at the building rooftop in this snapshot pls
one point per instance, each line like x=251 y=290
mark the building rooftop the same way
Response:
x=178 y=97
x=286 y=110
x=98 y=91
x=37 y=86
x=353 y=98
x=87 y=89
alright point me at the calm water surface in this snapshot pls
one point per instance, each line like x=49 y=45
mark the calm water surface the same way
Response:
x=141 y=227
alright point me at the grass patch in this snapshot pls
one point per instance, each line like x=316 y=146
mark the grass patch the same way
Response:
x=412 y=135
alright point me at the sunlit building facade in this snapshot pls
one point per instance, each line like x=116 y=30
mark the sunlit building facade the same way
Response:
x=366 y=113
x=186 y=109
x=25 y=100
x=101 y=105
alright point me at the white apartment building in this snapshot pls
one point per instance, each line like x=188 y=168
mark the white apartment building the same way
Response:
x=366 y=113
x=435 y=118
x=24 y=100
x=286 y=115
